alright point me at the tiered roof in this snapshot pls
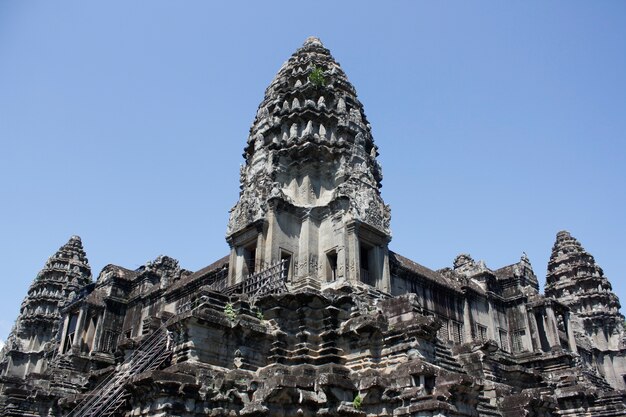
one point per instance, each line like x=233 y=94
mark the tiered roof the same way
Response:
x=576 y=280
x=310 y=118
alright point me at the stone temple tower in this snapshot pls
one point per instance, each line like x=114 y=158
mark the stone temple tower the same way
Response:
x=310 y=186
x=33 y=339
x=577 y=281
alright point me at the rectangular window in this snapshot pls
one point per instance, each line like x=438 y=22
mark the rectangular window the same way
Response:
x=285 y=257
x=365 y=264
x=504 y=340
x=71 y=331
x=443 y=330
x=249 y=258
x=331 y=266
x=518 y=341
x=109 y=341
x=426 y=382
x=481 y=332
x=457 y=332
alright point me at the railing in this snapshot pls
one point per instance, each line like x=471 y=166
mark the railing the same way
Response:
x=268 y=281
x=107 y=397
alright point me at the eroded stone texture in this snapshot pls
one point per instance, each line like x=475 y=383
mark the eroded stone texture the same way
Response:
x=310 y=314
x=34 y=336
x=577 y=281
x=33 y=342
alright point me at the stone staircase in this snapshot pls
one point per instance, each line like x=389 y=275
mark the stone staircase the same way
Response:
x=105 y=399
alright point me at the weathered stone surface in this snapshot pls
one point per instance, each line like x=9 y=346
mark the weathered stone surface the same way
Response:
x=310 y=314
x=577 y=281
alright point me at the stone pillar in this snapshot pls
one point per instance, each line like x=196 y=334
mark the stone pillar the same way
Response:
x=80 y=326
x=528 y=338
x=234 y=270
x=467 y=319
x=271 y=253
x=353 y=264
x=304 y=249
x=66 y=324
x=494 y=325
x=97 y=337
x=386 y=278
x=571 y=340
x=534 y=330
x=260 y=262
x=552 y=331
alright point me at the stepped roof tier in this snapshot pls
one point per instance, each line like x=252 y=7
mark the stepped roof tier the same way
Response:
x=577 y=281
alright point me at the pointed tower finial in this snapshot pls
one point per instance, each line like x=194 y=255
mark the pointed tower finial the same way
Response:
x=313 y=41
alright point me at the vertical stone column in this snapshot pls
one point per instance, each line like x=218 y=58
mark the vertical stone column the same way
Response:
x=97 y=337
x=467 y=318
x=528 y=338
x=493 y=328
x=304 y=249
x=552 y=331
x=270 y=252
x=233 y=266
x=66 y=324
x=571 y=340
x=260 y=262
x=353 y=272
x=386 y=278
x=80 y=327
x=534 y=330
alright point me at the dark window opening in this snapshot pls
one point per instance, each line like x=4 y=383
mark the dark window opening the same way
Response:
x=249 y=259
x=365 y=264
x=429 y=384
x=71 y=332
x=331 y=266
x=543 y=338
x=285 y=257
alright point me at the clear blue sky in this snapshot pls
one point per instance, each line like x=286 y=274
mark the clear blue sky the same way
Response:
x=499 y=124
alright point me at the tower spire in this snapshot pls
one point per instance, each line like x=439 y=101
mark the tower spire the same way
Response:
x=577 y=281
x=310 y=157
x=34 y=335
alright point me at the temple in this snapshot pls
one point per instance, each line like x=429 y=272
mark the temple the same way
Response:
x=310 y=313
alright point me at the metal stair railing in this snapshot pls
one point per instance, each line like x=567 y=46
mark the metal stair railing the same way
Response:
x=110 y=394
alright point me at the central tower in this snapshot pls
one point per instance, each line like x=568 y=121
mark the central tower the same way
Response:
x=310 y=186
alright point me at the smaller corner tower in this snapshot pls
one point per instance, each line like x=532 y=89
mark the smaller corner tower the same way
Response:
x=577 y=281
x=34 y=337
x=310 y=186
